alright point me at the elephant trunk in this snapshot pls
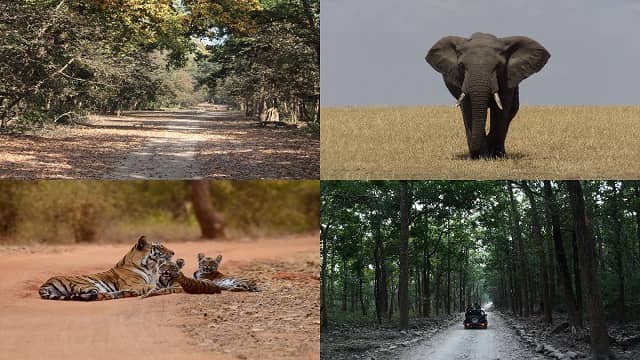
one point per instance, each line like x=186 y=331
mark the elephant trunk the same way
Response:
x=479 y=91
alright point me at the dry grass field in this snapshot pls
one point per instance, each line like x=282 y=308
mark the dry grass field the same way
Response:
x=551 y=142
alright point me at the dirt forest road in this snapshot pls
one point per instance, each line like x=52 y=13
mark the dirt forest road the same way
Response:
x=455 y=343
x=281 y=322
x=204 y=142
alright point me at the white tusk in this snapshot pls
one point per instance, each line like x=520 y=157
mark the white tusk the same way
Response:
x=460 y=99
x=497 y=98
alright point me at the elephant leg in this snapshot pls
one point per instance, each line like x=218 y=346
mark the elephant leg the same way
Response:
x=500 y=121
x=498 y=133
x=466 y=118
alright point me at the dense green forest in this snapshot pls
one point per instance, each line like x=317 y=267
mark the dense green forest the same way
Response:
x=394 y=251
x=111 y=211
x=62 y=59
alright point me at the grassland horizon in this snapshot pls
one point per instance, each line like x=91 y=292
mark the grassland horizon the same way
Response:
x=418 y=142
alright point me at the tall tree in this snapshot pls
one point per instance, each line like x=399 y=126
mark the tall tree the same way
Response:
x=403 y=284
x=590 y=284
x=551 y=210
x=536 y=236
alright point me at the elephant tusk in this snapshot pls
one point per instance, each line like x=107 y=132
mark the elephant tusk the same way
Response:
x=497 y=99
x=460 y=99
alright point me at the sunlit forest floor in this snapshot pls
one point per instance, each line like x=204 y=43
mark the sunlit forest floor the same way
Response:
x=280 y=322
x=559 y=142
x=206 y=143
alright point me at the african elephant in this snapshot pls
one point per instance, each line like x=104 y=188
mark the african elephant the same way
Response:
x=484 y=72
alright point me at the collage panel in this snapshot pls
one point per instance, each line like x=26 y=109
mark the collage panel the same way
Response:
x=501 y=269
x=425 y=89
x=159 y=179
x=157 y=89
x=159 y=269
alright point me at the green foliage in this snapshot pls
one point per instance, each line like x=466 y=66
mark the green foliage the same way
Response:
x=277 y=64
x=62 y=59
x=468 y=231
x=88 y=211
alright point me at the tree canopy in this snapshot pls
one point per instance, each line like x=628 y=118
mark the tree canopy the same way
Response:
x=529 y=247
x=61 y=59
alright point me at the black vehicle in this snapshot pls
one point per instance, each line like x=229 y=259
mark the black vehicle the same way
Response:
x=475 y=318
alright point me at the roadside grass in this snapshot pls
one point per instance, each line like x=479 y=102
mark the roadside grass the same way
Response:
x=551 y=142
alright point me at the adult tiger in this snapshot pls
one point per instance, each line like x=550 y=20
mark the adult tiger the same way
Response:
x=208 y=270
x=171 y=280
x=134 y=275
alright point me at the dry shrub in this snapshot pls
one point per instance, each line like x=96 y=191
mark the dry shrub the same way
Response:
x=65 y=211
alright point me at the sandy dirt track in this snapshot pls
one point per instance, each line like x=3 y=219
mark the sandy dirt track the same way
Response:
x=204 y=142
x=154 y=328
x=498 y=341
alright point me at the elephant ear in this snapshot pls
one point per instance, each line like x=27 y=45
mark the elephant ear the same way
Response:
x=525 y=57
x=443 y=56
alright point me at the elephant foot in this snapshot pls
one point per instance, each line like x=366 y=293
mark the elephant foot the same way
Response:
x=497 y=152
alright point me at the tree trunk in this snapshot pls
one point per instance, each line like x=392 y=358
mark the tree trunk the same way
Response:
x=516 y=234
x=564 y=277
x=437 y=294
x=380 y=269
x=589 y=276
x=403 y=285
x=448 y=299
x=211 y=223
x=344 y=285
x=426 y=291
x=324 y=236
x=536 y=236
x=637 y=210
x=619 y=249
x=576 y=273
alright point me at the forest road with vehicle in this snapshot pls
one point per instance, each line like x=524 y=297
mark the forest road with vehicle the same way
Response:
x=498 y=341
x=231 y=325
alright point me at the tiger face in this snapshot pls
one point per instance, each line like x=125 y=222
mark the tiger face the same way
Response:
x=168 y=271
x=156 y=253
x=208 y=265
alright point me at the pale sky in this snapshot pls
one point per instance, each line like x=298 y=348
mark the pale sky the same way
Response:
x=373 y=50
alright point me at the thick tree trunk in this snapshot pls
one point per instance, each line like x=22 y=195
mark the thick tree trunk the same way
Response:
x=536 y=236
x=403 y=284
x=564 y=277
x=516 y=234
x=211 y=223
x=589 y=275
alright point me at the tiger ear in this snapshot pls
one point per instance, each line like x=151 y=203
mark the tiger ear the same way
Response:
x=162 y=261
x=142 y=243
x=200 y=256
x=219 y=258
x=180 y=263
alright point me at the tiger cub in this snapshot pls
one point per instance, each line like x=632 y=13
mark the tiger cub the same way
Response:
x=208 y=269
x=171 y=281
x=129 y=277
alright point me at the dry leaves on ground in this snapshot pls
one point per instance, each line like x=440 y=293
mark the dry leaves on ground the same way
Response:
x=279 y=322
